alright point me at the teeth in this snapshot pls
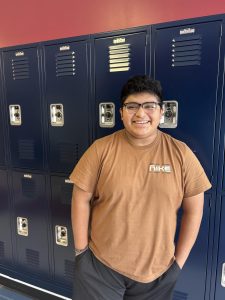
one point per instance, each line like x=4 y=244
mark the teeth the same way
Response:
x=141 y=122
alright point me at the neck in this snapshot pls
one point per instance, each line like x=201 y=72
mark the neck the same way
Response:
x=141 y=141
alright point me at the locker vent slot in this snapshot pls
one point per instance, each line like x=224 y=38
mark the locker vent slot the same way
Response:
x=32 y=257
x=2 y=249
x=65 y=63
x=68 y=153
x=26 y=149
x=119 y=58
x=186 y=51
x=69 y=270
x=28 y=188
x=180 y=296
x=20 y=68
x=66 y=193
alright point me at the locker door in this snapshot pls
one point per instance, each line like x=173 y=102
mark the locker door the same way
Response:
x=5 y=228
x=2 y=123
x=22 y=92
x=2 y=137
x=191 y=283
x=66 y=94
x=62 y=230
x=220 y=280
x=117 y=58
x=31 y=222
x=186 y=62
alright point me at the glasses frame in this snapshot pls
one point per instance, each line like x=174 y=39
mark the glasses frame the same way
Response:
x=142 y=106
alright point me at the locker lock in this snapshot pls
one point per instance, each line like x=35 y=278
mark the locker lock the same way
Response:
x=57 y=114
x=61 y=235
x=170 y=115
x=15 y=115
x=107 y=114
x=22 y=226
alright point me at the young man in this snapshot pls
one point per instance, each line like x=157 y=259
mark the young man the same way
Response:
x=128 y=187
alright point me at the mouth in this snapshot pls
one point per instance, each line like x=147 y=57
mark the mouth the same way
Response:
x=141 y=122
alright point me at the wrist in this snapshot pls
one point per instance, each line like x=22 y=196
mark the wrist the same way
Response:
x=180 y=261
x=79 y=251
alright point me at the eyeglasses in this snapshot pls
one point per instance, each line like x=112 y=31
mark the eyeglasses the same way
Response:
x=133 y=107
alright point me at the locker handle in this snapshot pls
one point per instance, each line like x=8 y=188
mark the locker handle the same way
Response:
x=223 y=275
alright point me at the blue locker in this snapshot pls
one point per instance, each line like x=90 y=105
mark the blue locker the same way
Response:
x=67 y=98
x=220 y=261
x=181 y=57
x=21 y=71
x=192 y=280
x=31 y=221
x=63 y=247
x=181 y=62
x=217 y=290
x=117 y=57
x=6 y=247
x=2 y=122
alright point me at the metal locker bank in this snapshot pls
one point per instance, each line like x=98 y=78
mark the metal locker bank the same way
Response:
x=58 y=96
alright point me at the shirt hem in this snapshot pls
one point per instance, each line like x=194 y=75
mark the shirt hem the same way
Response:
x=135 y=278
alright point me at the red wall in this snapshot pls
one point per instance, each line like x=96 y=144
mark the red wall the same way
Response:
x=27 y=21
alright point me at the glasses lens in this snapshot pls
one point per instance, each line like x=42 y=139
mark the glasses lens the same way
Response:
x=132 y=106
x=150 y=105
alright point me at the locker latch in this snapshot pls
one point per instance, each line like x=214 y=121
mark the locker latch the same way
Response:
x=15 y=115
x=107 y=114
x=223 y=275
x=170 y=115
x=57 y=114
x=61 y=235
x=22 y=226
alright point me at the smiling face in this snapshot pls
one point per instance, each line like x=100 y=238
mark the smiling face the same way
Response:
x=141 y=126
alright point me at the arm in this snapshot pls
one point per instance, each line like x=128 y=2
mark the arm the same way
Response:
x=190 y=224
x=80 y=213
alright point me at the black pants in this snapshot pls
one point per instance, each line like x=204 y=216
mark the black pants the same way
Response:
x=95 y=281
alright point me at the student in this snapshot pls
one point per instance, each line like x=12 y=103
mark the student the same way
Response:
x=128 y=187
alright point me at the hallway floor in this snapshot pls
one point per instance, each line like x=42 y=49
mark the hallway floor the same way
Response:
x=10 y=294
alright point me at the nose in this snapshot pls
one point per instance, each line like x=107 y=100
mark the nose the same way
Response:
x=140 y=111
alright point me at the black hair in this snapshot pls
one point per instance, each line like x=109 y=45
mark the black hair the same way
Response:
x=141 y=84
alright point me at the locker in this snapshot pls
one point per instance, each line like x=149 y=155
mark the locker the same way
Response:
x=192 y=279
x=116 y=58
x=21 y=71
x=62 y=231
x=6 y=259
x=217 y=290
x=31 y=229
x=220 y=274
x=181 y=59
x=67 y=100
x=181 y=62
x=2 y=123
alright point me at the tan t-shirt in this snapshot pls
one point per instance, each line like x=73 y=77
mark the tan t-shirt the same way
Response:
x=137 y=192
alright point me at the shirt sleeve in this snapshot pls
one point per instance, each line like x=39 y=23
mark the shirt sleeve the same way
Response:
x=195 y=179
x=86 y=171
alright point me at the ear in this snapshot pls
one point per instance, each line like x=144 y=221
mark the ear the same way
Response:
x=121 y=113
x=162 y=111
